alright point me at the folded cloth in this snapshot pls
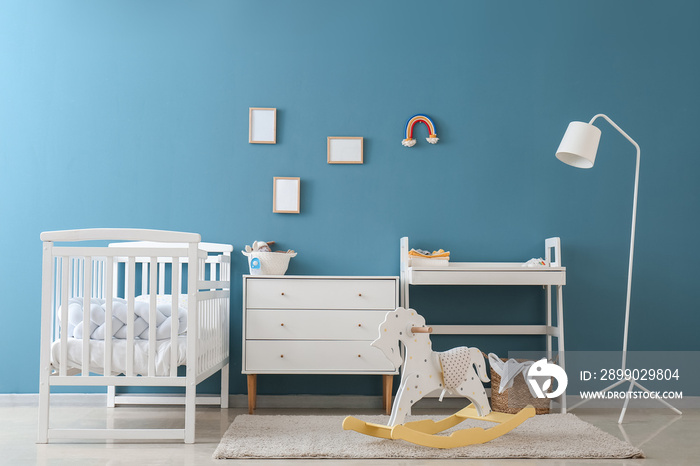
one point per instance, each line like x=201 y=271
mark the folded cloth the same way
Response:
x=508 y=370
x=535 y=262
x=439 y=254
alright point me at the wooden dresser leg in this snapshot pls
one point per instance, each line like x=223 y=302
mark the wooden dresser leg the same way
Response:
x=252 y=392
x=387 y=383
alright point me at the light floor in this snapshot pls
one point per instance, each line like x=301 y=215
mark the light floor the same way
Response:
x=665 y=438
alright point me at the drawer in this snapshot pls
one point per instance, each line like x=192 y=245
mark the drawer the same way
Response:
x=313 y=324
x=290 y=293
x=314 y=356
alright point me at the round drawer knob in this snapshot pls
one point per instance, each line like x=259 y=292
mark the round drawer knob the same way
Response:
x=282 y=324
x=283 y=293
x=359 y=355
x=281 y=355
x=359 y=294
x=359 y=325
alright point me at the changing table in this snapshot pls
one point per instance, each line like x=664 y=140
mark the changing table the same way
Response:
x=552 y=275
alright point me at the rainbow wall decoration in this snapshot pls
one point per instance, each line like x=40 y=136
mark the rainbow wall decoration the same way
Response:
x=409 y=141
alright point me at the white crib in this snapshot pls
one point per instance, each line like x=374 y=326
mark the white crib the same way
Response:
x=175 y=271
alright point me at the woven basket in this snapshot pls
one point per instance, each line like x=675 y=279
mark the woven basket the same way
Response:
x=268 y=263
x=516 y=397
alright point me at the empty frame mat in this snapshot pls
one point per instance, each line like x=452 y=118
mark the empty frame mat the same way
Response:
x=345 y=150
x=262 y=126
x=285 y=195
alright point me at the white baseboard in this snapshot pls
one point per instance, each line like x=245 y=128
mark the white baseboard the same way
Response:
x=332 y=401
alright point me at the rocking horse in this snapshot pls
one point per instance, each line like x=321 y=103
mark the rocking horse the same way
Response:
x=460 y=371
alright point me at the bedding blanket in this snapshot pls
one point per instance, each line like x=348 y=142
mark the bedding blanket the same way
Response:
x=74 y=360
x=96 y=331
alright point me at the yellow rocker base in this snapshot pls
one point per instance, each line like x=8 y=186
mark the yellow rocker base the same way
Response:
x=423 y=432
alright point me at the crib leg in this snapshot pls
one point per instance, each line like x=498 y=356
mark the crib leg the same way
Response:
x=111 y=396
x=190 y=404
x=224 y=387
x=44 y=394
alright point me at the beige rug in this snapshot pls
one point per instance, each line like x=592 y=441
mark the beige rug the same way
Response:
x=545 y=436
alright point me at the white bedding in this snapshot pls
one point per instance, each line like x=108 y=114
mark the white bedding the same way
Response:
x=119 y=317
x=97 y=358
x=119 y=331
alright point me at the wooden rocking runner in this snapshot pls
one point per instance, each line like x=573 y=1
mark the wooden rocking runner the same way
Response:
x=424 y=432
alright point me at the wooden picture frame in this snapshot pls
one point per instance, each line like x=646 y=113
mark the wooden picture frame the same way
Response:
x=286 y=195
x=343 y=149
x=262 y=125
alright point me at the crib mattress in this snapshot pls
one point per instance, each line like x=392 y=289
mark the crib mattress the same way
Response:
x=97 y=355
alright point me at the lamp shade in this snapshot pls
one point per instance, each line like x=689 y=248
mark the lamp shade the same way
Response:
x=579 y=145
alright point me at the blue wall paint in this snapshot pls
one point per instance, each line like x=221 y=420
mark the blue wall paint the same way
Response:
x=135 y=97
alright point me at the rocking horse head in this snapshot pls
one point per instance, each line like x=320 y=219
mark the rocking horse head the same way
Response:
x=397 y=327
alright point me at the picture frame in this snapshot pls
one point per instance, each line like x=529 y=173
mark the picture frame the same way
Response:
x=286 y=194
x=345 y=150
x=262 y=125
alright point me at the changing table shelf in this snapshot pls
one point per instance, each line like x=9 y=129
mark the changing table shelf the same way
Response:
x=485 y=273
x=550 y=276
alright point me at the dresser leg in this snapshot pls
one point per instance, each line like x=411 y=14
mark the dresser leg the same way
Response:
x=252 y=392
x=387 y=382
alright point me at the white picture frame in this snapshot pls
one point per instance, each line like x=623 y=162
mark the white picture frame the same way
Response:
x=262 y=125
x=345 y=149
x=286 y=194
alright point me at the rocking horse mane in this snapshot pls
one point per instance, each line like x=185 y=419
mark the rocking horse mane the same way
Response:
x=394 y=328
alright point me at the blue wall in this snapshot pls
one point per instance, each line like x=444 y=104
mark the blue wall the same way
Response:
x=135 y=114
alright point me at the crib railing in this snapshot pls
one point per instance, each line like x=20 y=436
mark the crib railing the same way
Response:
x=199 y=271
x=153 y=264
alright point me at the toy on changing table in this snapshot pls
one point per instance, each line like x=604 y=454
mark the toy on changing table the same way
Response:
x=460 y=371
x=535 y=262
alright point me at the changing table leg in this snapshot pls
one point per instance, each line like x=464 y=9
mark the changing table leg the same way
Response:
x=252 y=392
x=548 y=294
x=560 y=339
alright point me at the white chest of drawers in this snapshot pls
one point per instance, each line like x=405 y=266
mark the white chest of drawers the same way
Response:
x=315 y=325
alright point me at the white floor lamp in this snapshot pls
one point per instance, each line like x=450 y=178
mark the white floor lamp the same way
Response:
x=578 y=148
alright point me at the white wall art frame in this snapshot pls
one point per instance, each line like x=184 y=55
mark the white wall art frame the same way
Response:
x=286 y=195
x=345 y=150
x=262 y=125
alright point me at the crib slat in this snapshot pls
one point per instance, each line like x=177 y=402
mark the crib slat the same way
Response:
x=56 y=298
x=87 y=287
x=79 y=277
x=174 y=314
x=115 y=278
x=127 y=277
x=144 y=277
x=101 y=279
x=161 y=278
x=74 y=279
x=95 y=278
x=64 y=315
x=152 y=318
x=108 y=296
x=130 y=292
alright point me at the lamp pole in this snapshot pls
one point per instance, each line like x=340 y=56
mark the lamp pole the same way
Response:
x=632 y=382
x=634 y=226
